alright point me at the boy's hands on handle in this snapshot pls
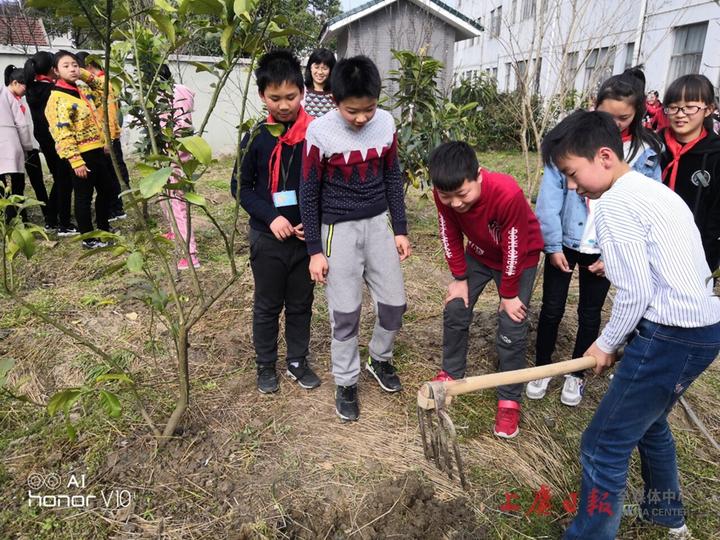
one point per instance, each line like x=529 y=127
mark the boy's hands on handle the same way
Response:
x=514 y=307
x=403 y=246
x=458 y=289
x=300 y=231
x=604 y=360
x=318 y=268
x=281 y=228
x=81 y=171
x=559 y=261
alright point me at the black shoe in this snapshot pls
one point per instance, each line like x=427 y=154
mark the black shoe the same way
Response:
x=267 y=381
x=118 y=215
x=67 y=230
x=384 y=373
x=91 y=243
x=50 y=228
x=346 y=402
x=305 y=377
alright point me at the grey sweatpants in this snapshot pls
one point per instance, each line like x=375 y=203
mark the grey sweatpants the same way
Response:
x=362 y=251
x=510 y=340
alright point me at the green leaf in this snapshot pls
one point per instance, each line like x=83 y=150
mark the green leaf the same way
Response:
x=240 y=7
x=194 y=198
x=63 y=400
x=165 y=6
x=205 y=7
x=226 y=39
x=164 y=24
x=135 y=262
x=275 y=129
x=111 y=403
x=119 y=377
x=70 y=429
x=145 y=169
x=198 y=147
x=6 y=364
x=24 y=240
x=153 y=183
x=200 y=67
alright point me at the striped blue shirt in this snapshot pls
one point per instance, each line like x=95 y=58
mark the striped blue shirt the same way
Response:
x=654 y=258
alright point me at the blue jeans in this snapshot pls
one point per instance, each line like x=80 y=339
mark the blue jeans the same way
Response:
x=659 y=364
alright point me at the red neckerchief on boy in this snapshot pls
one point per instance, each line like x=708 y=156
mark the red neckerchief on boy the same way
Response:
x=291 y=137
x=45 y=78
x=22 y=107
x=625 y=135
x=677 y=150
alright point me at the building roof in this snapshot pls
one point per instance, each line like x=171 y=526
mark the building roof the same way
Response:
x=465 y=27
x=21 y=30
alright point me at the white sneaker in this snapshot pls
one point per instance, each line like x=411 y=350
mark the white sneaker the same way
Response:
x=572 y=392
x=537 y=389
x=680 y=533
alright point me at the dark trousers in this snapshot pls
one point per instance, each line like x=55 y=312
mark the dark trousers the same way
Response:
x=60 y=199
x=33 y=167
x=282 y=279
x=98 y=180
x=593 y=290
x=510 y=339
x=117 y=150
x=16 y=184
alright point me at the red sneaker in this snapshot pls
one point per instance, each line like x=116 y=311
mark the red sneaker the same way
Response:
x=507 y=419
x=443 y=376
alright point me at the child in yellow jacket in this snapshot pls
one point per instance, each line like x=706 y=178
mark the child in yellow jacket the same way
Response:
x=71 y=115
x=116 y=205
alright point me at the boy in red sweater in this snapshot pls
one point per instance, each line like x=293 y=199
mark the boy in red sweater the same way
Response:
x=503 y=245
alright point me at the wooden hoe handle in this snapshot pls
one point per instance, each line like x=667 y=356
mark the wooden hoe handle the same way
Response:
x=482 y=382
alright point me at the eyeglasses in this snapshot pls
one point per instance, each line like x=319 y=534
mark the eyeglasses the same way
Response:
x=688 y=110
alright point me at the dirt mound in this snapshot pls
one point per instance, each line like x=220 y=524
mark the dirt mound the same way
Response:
x=403 y=507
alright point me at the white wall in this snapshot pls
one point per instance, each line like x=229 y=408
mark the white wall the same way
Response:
x=603 y=23
x=221 y=131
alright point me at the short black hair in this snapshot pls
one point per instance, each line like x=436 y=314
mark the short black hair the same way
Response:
x=320 y=56
x=451 y=163
x=82 y=57
x=62 y=54
x=690 y=88
x=356 y=77
x=277 y=67
x=582 y=134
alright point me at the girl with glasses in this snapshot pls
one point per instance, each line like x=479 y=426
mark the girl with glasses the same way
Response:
x=691 y=160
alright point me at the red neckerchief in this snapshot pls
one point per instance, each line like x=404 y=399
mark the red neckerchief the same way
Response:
x=291 y=137
x=677 y=150
x=22 y=107
x=45 y=78
x=625 y=135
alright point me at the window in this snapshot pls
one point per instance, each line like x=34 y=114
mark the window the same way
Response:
x=536 y=82
x=495 y=21
x=570 y=72
x=599 y=66
x=513 y=11
x=508 y=73
x=629 y=52
x=521 y=74
x=493 y=73
x=687 y=50
x=528 y=9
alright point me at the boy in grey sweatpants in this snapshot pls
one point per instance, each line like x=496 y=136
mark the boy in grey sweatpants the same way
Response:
x=352 y=206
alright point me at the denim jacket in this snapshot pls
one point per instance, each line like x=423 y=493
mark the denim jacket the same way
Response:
x=562 y=212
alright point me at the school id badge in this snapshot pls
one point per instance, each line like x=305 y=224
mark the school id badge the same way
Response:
x=285 y=198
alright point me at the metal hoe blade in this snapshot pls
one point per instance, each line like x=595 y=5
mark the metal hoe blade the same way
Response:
x=438 y=435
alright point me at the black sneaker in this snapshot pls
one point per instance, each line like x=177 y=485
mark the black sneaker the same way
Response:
x=92 y=243
x=305 y=377
x=346 y=402
x=50 y=228
x=384 y=373
x=67 y=230
x=267 y=381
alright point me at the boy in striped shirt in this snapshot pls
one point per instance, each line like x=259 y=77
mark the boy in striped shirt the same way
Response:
x=664 y=304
